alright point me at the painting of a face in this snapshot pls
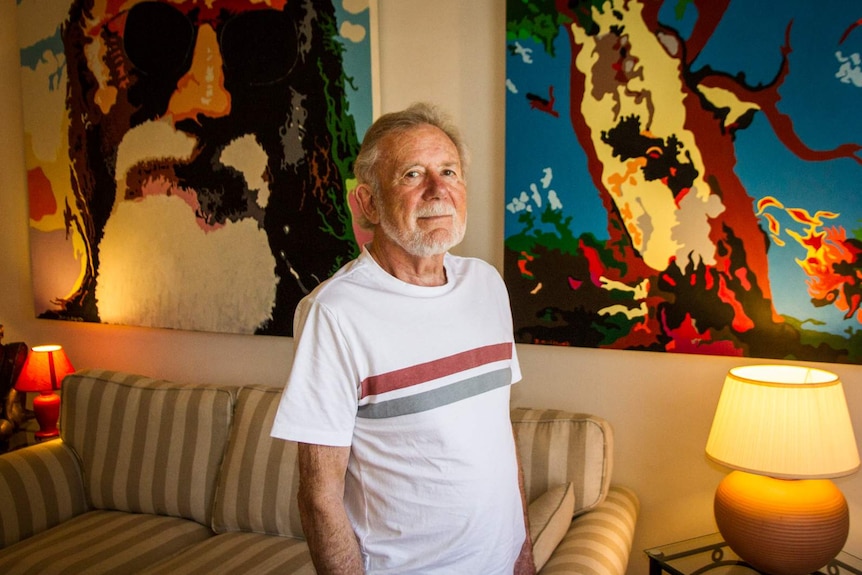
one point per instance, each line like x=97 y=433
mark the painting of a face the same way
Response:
x=210 y=147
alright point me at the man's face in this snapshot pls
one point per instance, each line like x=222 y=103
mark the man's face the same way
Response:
x=165 y=74
x=422 y=207
x=202 y=140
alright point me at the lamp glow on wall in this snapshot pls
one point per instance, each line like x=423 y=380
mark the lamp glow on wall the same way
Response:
x=43 y=372
x=785 y=430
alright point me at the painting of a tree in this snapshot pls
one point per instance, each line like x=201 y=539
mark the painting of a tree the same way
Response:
x=683 y=176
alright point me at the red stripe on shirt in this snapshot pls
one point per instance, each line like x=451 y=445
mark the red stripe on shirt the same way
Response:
x=415 y=374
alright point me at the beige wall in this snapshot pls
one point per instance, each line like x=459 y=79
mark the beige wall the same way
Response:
x=450 y=52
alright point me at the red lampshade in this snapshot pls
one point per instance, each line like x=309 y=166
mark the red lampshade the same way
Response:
x=44 y=370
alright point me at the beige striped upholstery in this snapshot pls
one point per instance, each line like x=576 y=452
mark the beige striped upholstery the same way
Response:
x=140 y=457
x=557 y=447
x=239 y=554
x=259 y=479
x=44 y=482
x=145 y=445
x=102 y=542
x=550 y=517
x=598 y=542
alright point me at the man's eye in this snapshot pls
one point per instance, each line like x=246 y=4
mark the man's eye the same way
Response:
x=158 y=39
x=259 y=47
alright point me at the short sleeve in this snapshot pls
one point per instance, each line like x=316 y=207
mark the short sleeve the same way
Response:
x=319 y=402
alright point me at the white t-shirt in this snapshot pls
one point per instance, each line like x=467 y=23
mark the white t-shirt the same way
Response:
x=416 y=380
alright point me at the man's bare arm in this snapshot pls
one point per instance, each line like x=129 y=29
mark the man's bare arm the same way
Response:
x=330 y=537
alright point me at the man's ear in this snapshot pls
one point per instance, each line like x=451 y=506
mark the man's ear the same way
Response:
x=367 y=204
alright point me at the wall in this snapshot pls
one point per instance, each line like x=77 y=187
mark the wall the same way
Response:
x=451 y=52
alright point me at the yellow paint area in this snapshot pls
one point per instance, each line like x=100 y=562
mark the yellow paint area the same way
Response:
x=634 y=75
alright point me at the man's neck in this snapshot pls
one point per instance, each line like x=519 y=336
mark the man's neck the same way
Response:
x=416 y=270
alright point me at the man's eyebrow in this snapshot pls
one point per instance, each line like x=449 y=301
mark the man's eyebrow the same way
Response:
x=407 y=165
x=453 y=166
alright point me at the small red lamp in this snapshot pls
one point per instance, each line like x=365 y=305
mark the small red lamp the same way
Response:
x=44 y=370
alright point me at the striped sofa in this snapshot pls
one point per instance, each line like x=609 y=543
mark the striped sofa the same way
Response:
x=156 y=477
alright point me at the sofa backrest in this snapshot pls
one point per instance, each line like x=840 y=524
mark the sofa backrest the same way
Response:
x=204 y=452
x=259 y=480
x=558 y=447
x=147 y=445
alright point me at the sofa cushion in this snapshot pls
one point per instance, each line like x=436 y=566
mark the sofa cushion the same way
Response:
x=146 y=445
x=259 y=479
x=557 y=447
x=239 y=554
x=104 y=542
x=550 y=516
x=599 y=542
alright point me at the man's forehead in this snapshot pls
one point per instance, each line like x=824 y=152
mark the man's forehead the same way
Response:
x=411 y=145
x=103 y=9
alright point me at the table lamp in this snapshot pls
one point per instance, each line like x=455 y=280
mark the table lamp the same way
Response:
x=43 y=371
x=785 y=430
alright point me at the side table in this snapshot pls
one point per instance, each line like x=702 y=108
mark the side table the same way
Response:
x=23 y=436
x=710 y=554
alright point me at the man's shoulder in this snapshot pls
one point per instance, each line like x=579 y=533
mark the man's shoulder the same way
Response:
x=354 y=272
x=468 y=265
x=468 y=261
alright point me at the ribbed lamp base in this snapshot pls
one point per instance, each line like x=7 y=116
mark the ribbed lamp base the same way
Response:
x=782 y=527
x=47 y=409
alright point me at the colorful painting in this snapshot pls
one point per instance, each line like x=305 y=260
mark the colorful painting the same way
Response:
x=684 y=176
x=190 y=162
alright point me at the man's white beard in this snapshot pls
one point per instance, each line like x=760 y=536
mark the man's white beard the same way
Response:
x=158 y=268
x=416 y=241
x=161 y=266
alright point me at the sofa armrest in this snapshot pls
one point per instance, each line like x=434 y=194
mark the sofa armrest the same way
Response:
x=40 y=487
x=598 y=542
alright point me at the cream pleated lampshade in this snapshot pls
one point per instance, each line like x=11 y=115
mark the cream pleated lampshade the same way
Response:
x=784 y=421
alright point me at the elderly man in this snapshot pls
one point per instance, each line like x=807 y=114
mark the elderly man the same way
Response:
x=399 y=392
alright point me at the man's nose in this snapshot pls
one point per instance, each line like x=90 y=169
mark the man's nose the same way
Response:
x=436 y=187
x=201 y=90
